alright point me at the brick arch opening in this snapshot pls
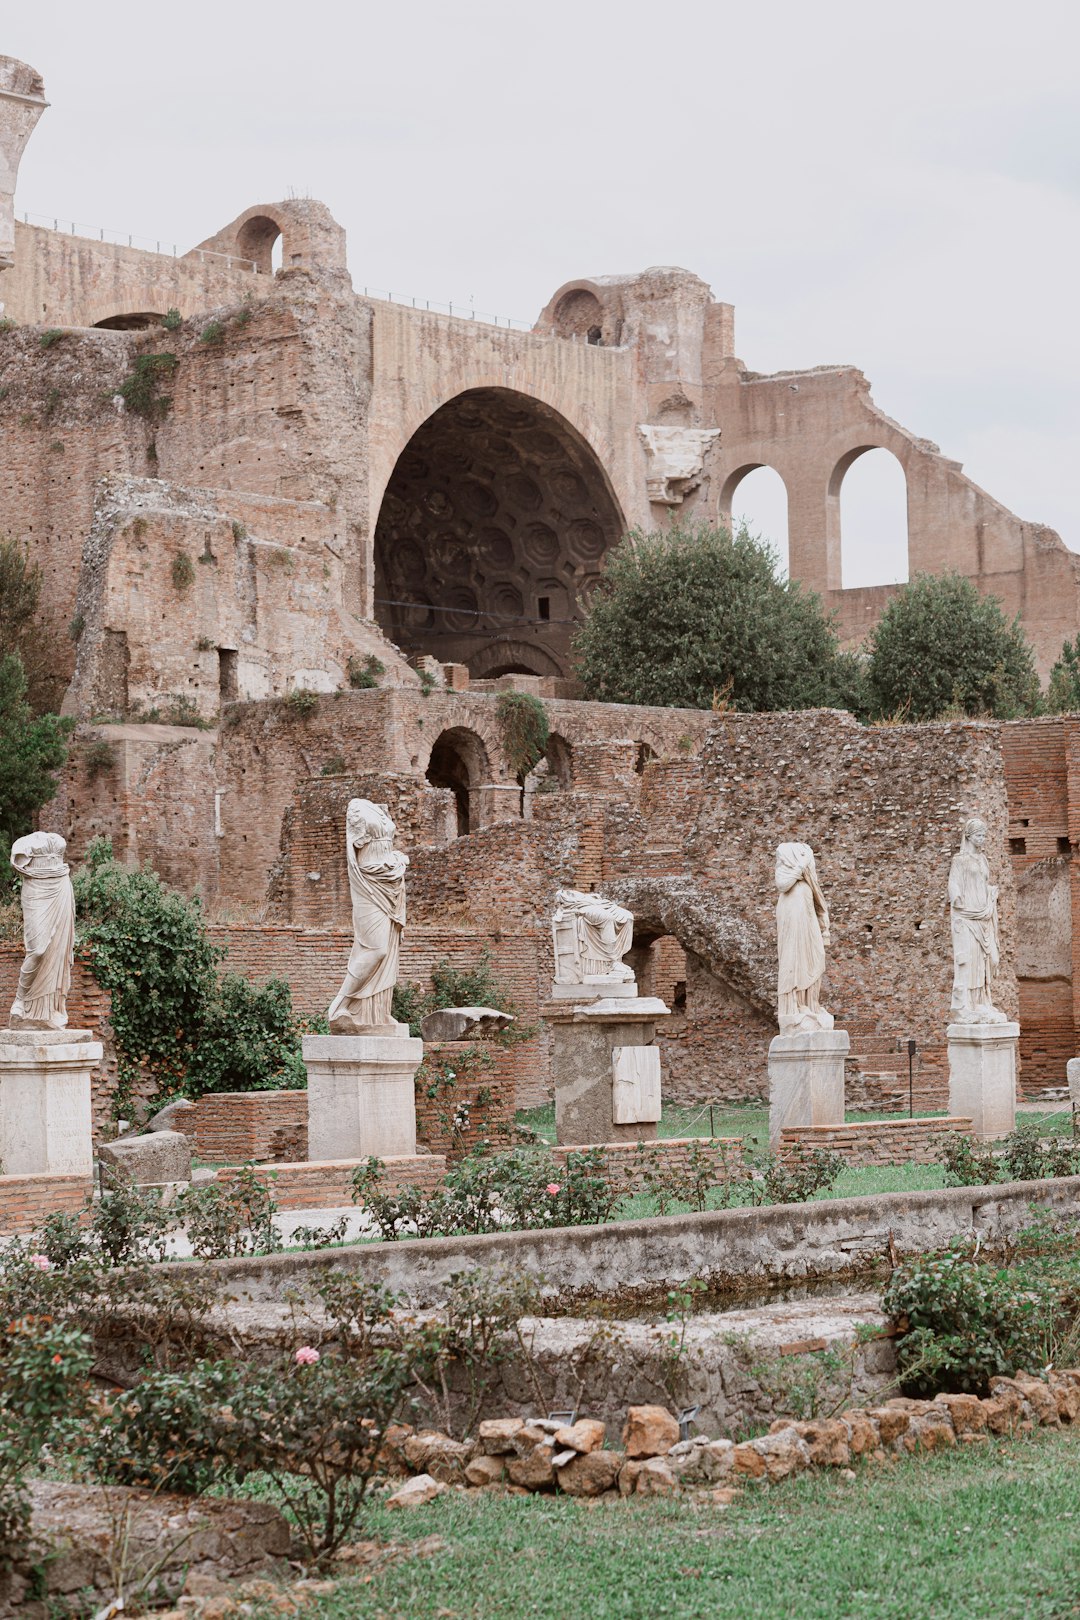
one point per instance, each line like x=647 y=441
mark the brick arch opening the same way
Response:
x=756 y=495
x=139 y=321
x=868 y=501
x=259 y=239
x=459 y=763
x=491 y=536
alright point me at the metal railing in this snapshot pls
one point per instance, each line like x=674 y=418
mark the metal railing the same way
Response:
x=463 y=311
x=145 y=244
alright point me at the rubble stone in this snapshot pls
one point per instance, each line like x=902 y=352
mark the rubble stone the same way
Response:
x=649 y=1431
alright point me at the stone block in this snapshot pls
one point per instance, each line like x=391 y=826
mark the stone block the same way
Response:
x=649 y=1431
x=463 y=1023
x=982 y=1076
x=587 y=1434
x=806 y=1080
x=45 y=1106
x=535 y=1471
x=361 y=1100
x=417 y=1492
x=496 y=1435
x=146 y=1161
x=590 y=1474
x=437 y=1454
x=584 y=1041
x=635 y=1085
x=655 y=1478
x=485 y=1470
x=178 y=1115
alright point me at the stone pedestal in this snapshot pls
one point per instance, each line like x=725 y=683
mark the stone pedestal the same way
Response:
x=45 y=1116
x=360 y=1094
x=606 y=1068
x=982 y=1076
x=806 y=1080
x=1072 y=1068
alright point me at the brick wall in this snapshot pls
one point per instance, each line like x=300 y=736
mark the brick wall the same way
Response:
x=454 y=1115
x=879 y=1141
x=326 y=1184
x=26 y=1200
x=624 y=1161
x=241 y=1127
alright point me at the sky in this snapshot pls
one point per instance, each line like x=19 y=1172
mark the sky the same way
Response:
x=894 y=187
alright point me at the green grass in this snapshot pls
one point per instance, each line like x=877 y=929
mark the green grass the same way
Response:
x=981 y=1533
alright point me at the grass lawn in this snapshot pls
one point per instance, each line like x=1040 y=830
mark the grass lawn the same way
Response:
x=981 y=1533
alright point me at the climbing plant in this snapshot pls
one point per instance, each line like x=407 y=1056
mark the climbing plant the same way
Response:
x=140 y=389
x=523 y=724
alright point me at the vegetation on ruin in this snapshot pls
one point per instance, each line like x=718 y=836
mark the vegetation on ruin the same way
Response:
x=523 y=727
x=302 y=702
x=695 y=617
x=364 y=673
x=182 y=572
x=1063 y=690
x=53 y=335
x=172 y=320
x=22 y=632
x=942 y=651
x=174 y=1017
x=213 y=332
x=32 y=749
x=141 y=388
x=453 y=986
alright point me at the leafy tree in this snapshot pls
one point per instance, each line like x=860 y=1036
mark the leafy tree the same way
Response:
x=20 y=631
x=247 y=1038
x=30 y=751
x=1063 y=692
x=693 y=615
x=941 y=650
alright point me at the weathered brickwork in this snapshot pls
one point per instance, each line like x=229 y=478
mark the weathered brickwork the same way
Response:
x=251 y=1127
x=327 y=1183
x=623 y=1162
x=466 y=1093
x=879 y=1141
x=26 y=1200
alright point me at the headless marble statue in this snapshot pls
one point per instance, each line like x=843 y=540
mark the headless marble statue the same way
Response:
x=48 y=908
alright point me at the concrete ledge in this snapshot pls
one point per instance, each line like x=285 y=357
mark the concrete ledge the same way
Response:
x=831 y=1237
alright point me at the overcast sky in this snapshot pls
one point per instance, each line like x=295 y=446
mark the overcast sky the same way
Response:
x=896 y=187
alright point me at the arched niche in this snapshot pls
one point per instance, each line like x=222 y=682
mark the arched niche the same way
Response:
x=868 y=497
x=258 y=239
x=491 y=535
x=756 y=495
x=459 y=763
x=139 y=321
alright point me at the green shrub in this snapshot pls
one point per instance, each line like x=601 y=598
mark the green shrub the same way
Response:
x=247 y=1033
x=966 y=1164
x=704 y=1174
x=333 y=767
x=213 y=332
x=940 y=649
x=130 y=1226
x=794 y=1177
x=32 y=749
x=168 y=1433
x=523 y=725
x=97 y=756
x=364 y=673
x=43 y=1368
x=182 y=572
x=695 y=617
x=962 y=1324
x=301 y=702
x=53 y=335
x=172 y=320
x=1028 y=1156
x=141 y=388
x=225 y=1219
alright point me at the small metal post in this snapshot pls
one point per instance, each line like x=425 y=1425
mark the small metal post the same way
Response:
x=911 y=1050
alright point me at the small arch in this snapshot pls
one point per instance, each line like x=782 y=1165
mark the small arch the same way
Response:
x=257 y=239
x=646 y=753
x=756 y=495
x=137 y=322
x=459 y=763
x=580 y=315
x=868 y=497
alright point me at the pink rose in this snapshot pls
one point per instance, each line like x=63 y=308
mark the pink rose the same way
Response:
x=553 y=1187
x=41 y=1262
x=306 y=1356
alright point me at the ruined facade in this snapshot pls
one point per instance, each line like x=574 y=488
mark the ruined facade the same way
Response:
x=287 y=489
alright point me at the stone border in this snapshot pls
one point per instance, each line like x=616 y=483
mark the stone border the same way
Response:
x=830 y=1237
x=537 y=1455
x=879 y=1141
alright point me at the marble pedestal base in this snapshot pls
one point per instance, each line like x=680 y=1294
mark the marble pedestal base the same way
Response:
x=360 y=1094
x=606 y=1068
x=1072 y=1069
x=806 y=1080
x=45 y=1116
x=982 y=1076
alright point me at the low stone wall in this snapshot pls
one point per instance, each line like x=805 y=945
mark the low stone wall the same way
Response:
x=251 y=1127
x=829 y=1237
x=625 y=1161
x=879 y=1141
x=327 y=1183
x=26 y=1200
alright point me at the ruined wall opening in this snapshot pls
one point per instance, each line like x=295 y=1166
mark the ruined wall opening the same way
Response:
x=459 y=763
x=868 y=492
x=138 y=322
x=552 y=774
x=757 y=497
x=491 y=536
x=258 y=239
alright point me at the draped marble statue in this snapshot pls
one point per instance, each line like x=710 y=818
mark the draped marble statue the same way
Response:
x=377 y=885
x=591 y=937
x=802 y=933
x=974 y=916
x=48 y=908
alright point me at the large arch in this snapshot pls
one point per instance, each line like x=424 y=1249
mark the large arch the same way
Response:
x=491 y=535
x=869 y=514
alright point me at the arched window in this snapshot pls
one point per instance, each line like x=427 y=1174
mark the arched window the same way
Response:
x=459 y=763
x=757 y=497
x=258 y=239
x=869 y=488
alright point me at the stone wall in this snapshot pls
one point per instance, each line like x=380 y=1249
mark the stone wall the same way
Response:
x=879 y=1141
x=26 y=1200
x=327 y=1183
